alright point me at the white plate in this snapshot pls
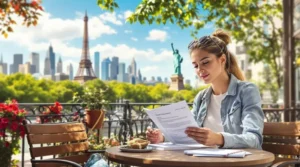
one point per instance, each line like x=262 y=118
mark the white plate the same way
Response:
x=126 y=149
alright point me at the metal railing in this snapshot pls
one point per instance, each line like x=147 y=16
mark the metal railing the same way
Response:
x=124 y=120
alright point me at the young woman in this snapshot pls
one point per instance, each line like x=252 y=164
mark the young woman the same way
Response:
x=229 y=112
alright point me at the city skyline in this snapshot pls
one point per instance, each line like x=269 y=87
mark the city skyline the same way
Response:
x=109 y=34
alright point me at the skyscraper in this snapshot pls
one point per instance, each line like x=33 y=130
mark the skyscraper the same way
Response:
x=34 y=59
x=85 y=70
x=114 y=68
x=59 y=66
x=133 y=67
x=47 y=67
x=18 y=59
x=105 y=69
x=51 y=56
x=3 y=66
x=70 y=71
x=139 y=76
x=97 y=63
x=25 y=68
x=121 y=73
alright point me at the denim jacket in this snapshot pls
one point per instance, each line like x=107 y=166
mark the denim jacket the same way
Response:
x=241 y=114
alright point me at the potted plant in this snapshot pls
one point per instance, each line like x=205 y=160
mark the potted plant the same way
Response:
x=93 y=100
x=51 y=114
x=11 y=131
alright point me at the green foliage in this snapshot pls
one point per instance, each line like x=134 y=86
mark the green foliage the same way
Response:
x=27 y=89
x=95 y=96
x=252 y=22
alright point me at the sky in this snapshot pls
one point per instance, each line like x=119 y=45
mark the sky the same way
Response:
x=61 y=25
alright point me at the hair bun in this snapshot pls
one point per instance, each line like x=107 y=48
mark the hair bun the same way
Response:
x=222 y=35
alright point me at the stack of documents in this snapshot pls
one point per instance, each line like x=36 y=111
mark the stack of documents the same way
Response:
x=171 y=146
x=173 y=120
x=226 y=153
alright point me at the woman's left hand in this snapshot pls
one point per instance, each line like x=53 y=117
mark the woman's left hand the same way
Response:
x=205 y=136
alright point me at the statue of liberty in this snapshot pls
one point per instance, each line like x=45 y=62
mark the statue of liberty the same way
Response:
x=177 y=60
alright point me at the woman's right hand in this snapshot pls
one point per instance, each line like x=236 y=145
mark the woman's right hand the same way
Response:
x=154 y=135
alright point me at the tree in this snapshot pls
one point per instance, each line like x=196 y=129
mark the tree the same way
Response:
x=29 y=11
x=251 y=22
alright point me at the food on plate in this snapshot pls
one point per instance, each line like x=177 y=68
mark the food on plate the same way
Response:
x=137 y=143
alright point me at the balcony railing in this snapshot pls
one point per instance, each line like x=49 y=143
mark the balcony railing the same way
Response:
x=123 y=119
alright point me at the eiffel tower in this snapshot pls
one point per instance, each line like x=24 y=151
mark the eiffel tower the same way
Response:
x=85 y=70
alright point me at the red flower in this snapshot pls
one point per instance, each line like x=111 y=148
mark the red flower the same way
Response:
x=22 y=130
x=2 y=134
x=14 y=126
x=4 y=120
x=7 y=144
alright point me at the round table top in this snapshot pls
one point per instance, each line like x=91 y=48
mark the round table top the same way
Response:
x=258 y=158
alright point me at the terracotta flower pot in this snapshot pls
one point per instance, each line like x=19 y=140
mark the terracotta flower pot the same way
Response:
x=94 y=118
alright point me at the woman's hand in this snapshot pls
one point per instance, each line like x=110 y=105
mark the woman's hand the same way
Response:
x=205 y=136
x=154 y=135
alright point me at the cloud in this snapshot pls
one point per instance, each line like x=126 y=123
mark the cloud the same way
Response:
x=127 y=31
x=110 y=17
x=127 y=13
x=157 y=35
x=149 y=69
x=126 y=53
x=57 y=31
x=134 y=39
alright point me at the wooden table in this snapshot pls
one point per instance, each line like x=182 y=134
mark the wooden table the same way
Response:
x=259 y=158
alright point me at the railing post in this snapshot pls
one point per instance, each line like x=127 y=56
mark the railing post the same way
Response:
x=23 y=150
x=125 y=120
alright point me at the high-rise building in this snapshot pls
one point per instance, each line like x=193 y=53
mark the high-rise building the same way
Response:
x=105 y=64
x=114 y=68
x=139 y=76
x=97 y=63
x=70 y=71
x=85 y=70
x=159 y=79
x=3 y=66
x=18 y=59
x=133 y=67
x=34 y=59
x=59 y=66
x=51 y=56
x=61 y=76
x=166 y=80
x=121 y=73
x=25 y=68
x=129 y=69
x=187 y=82
x=47 y=66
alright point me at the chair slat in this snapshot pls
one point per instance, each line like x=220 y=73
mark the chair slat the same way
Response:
x=61 y=149
x=54 y=138
x=75 y=158
x=282 y=128
x=54 y=128
x=281 y=149
x=281 y=140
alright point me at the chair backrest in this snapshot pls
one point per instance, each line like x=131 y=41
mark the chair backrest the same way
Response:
x=282 y=139
x=64 y=140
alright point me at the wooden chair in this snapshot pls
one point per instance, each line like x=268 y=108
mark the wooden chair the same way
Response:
x=66 y=141
x=282 y=139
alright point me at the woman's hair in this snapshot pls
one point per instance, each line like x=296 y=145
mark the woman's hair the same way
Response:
x=217 y=45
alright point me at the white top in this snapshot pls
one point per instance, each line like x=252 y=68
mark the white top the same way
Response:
x=213 y=116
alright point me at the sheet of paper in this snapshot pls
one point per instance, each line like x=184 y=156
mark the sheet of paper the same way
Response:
x=171 y=146
x=230 y=153
x=173 y=120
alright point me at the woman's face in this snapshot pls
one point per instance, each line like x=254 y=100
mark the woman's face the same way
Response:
x=207 y=66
